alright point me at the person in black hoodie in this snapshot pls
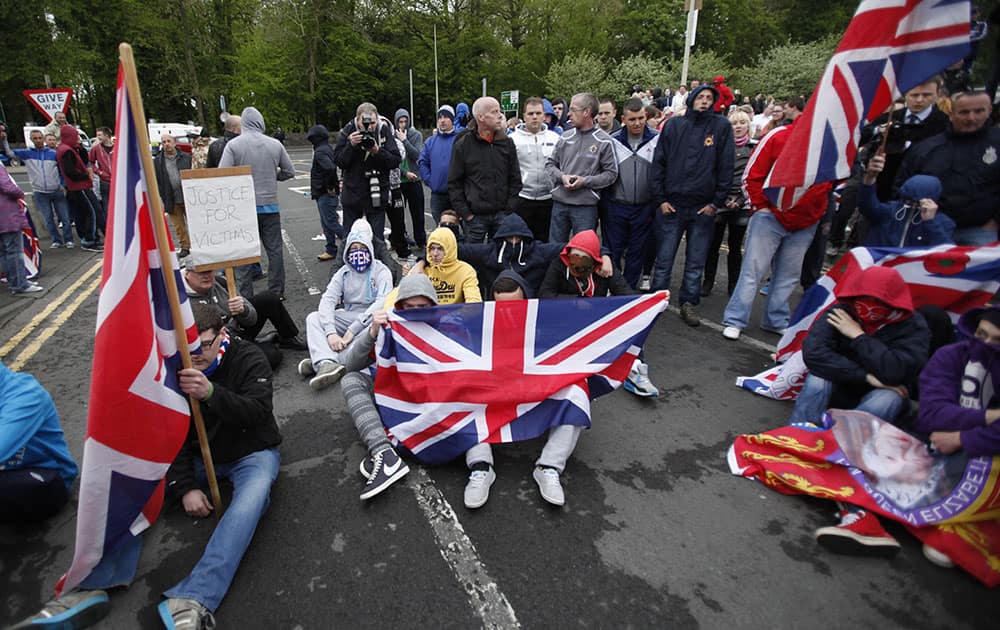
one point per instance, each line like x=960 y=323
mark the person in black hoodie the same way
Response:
x=232 y=380
x=365 y=153
x=691 y=172
x=325 y=188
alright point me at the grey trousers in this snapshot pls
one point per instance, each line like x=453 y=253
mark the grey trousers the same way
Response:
x=558 y=447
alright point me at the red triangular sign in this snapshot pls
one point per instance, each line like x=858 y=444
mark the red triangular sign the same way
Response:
x=50 y=101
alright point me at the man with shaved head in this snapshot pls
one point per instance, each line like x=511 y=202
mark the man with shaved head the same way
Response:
x=484 y=178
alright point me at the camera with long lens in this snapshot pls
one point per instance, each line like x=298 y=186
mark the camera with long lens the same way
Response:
x=368 y=130
x=375 y=188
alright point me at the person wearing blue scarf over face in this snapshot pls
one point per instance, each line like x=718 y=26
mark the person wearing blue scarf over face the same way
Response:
x=354 y=290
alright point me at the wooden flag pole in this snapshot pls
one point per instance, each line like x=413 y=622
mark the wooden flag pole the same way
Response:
x=167 y=265
x=888 y=126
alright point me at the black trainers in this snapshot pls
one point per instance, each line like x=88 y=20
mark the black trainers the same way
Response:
x=76 y=609
x=690 y=314
x=388 y=469
x=292 y=343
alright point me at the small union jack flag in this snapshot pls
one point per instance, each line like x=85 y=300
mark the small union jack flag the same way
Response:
x=138 y=417
x=451 y=377
x=889 y=47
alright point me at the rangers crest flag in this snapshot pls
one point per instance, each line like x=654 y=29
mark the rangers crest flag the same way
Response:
x=138 y=418
x=889 y=47
x=952 y=277
x=451 y=377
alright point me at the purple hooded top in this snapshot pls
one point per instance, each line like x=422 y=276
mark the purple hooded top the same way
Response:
x=959 y=383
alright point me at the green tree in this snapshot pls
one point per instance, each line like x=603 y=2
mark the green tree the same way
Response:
x=584 y=72
x=637 y=69
x=789 y=69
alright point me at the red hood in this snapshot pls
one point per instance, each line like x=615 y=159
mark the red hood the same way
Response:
x=586 y=241
x=883 y=283
x=69 y=135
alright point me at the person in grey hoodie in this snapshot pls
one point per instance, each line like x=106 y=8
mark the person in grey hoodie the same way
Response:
x=269 y=164
x=355 y=290
x=410 y=186
x=582 y=164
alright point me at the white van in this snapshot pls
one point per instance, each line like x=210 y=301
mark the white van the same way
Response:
x=85 y=140
x=179 y=131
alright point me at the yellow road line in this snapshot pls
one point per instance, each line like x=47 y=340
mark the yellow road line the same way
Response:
x=37 y=320
x=44 y=336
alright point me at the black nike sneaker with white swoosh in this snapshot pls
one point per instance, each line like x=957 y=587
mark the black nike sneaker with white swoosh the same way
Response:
x=388 y=468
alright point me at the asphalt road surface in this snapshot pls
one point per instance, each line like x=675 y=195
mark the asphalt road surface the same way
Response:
x=655 y=534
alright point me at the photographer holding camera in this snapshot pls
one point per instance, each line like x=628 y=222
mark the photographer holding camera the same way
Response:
x=365 y=153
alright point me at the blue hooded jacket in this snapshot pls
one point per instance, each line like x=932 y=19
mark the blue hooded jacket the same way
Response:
x=897 y=223
x=462 y=116
x=551 y=123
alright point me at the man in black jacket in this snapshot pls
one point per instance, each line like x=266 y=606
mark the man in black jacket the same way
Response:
x=484 y=178
x=232 y=380
x=365 y=153
x=325 y=188
x=691 y=171
x=169 y=163
x=966 y=158
x=234 y=127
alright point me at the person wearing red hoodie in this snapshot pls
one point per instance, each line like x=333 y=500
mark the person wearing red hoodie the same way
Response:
x=777 y=239
x=83 y=204
x=726 y=97
x=866 y=353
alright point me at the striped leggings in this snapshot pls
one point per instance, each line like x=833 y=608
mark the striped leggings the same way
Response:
x=359 y=392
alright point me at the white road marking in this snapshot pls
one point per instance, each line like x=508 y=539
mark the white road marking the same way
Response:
x=299 y=263
x=485 y=597
x=750 y=341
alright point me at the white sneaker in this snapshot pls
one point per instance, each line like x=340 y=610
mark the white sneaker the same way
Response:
x=477 y=491
x=31 y=288
x=938 y=558
x=731 y=332
x=645 y=283
x=70 y=245
x=306 y=367
x=548 y=484
x=638 y=382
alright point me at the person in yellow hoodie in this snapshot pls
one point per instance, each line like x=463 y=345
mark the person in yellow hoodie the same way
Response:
x=455 y=281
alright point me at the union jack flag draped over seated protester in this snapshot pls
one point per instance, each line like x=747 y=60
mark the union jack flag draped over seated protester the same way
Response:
x=952 y=277
x=451 y=377
x=889 y=47
x=138 y=417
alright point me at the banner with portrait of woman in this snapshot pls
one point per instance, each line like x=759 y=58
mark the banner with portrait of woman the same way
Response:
x=952 y=500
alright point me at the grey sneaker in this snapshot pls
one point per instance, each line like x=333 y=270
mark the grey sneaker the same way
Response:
x=327 y=374
x=690 y=314
x=179 y=613
x=76 y=609
x=548 y=484
x=306 y=367
x=477 y=491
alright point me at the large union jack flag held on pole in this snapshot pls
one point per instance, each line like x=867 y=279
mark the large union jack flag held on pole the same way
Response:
x=138 y=418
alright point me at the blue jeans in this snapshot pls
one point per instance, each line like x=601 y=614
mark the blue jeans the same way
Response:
x=208 y=582
x=332 y=229
x=440 y=201
x=814 y=400
x=974 y=236
x=481 y=227
x=54 y=209
x=768 y=241
x=10 y=248
x=669 y=229
x=626 y=230
x=568 y=220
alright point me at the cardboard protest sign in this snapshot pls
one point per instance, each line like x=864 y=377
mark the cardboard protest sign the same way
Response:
x=221 y=217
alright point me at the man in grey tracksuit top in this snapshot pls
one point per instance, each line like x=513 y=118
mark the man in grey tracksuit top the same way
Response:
x=582 y=164
x=269 y=164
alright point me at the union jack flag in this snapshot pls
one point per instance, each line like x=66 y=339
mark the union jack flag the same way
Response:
x=889 y=47
x=31 y=251
x=952 y=277
x=138 y=417
x=453 y=376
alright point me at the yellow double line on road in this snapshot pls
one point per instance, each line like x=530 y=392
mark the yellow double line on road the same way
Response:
x=36 y=343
